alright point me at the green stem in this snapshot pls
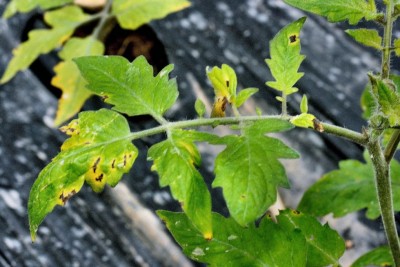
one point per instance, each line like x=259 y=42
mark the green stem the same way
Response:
x=168 y=126
x=104 y=17
x=387 y=40
x=380 y=159
x=353 y=136
x=384 y=191
x=391 y=147
x=284 y=105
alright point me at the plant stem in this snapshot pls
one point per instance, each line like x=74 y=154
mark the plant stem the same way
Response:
x=387 y=40
x=384 y=191
x=104 y=17
x=353 y=136
x=380 y=159
x=391 y=147
x=167 y=126
x=284 y=105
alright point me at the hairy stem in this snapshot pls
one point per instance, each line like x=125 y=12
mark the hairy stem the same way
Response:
x=391 y=147
x=387 y=40
x=345 y=133
x=380 y=159
x=384 y=191
x=168 y=126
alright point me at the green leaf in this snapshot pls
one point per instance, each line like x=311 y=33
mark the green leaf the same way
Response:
x=303 y=120
x=27 y=5
x=367 y=37
x=378 y=257
x=224 y=81
x=248 y=169
x=339 y=10
x=99 y=151
x=200 y=108
x=286 y=58
x=243 y=95
x=389 y=102
x=369 y=103
x=304 y=104
x=130 y=87
x=131 y=14
x=64 y=21
x=69 y=79
x=324 y=245
x=396 y=44
x=175 y=160
x=296 y=240
x=349 y=189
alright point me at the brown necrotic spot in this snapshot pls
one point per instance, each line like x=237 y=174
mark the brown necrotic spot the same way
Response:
x=292 y=38
x=296 y=212
x=227 y=83
x=113 y=164
x=94 y=167
x=65 y=198
x=224 y=102
x=125 y=160
x=318 y=126
x=100 y=178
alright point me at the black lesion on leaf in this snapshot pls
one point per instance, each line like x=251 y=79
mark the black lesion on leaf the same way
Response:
x=292 y=38
x=95 y=164
x=125 y=160
x=65 y=198
x=227 y=83
x=224 y=102
x=296 y=212
x=100 y=178
x=113 y=164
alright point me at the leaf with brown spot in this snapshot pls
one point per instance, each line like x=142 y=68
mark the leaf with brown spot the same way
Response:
x=99 y=152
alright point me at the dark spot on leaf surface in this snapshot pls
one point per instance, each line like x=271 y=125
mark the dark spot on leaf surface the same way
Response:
x=113 y=164
x=292 y=38
x=227 y=83
x=100 y=178
x=95 y=164
x=296 y=212
x=65 y=198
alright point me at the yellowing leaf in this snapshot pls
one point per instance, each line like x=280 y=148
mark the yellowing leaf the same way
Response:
x=69 y=79
x=27 y=5
x=303 y=120
x=175 y=160
x=131 y=14
x=224 y=82
x=367 y=37
x=219 y=107
x=99 y=151
x=64 y=21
